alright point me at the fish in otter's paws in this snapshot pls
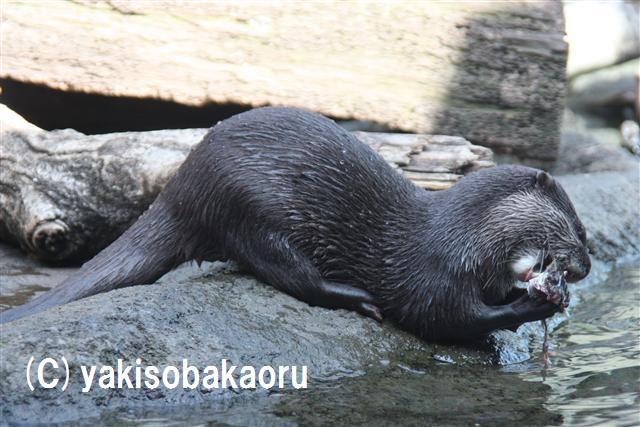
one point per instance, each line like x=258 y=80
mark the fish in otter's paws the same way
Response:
x=551 y=285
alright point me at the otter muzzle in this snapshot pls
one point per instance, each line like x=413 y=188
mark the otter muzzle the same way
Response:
x=577 y=266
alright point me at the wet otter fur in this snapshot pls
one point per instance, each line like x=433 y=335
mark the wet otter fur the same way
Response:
x=300 y=203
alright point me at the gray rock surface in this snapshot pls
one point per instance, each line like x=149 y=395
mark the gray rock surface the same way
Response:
x=589 y=144
x=608 y=204
x=630 y=131
x=212 y=313
x=616 y=85
x=593 y=151
x=203 y=314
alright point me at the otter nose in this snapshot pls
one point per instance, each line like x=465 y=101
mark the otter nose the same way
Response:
x=578 y=271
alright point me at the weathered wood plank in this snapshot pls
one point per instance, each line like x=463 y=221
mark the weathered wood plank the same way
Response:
x=492 y=72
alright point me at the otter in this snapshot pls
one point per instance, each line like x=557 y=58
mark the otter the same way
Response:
x=300 y=203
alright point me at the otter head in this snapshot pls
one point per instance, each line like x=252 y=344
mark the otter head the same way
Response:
x=549 y=230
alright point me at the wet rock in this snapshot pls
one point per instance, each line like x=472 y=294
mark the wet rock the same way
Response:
x=210 y=313
x=204 y=315
x=22 y=278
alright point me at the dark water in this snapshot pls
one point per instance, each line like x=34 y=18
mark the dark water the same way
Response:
x=594 y=380
x=596 y=375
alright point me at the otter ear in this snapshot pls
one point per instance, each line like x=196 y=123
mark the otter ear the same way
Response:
x=543 y=180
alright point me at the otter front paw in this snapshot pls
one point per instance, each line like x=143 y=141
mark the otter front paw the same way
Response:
x=531 y=308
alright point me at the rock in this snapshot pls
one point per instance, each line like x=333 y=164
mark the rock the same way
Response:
x=588 y=151
x=601 y=34
x=631 y=136
x=589 y=144
x=615 y=86
x=204 y=314
x=210 y=313
x=608 y=203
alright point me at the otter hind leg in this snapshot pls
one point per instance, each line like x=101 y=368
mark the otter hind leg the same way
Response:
x=279 y=264
x=350 y=297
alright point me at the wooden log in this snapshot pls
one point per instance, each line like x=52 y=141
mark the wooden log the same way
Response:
x=492 y=72
x=65 y=195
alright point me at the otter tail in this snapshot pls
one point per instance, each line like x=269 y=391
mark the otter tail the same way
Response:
x=152 y=246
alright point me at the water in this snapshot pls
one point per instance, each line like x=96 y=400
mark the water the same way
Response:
x=596 y=375
x=594 y=379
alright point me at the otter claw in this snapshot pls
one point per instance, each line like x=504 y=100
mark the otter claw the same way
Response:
x=370 y=310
